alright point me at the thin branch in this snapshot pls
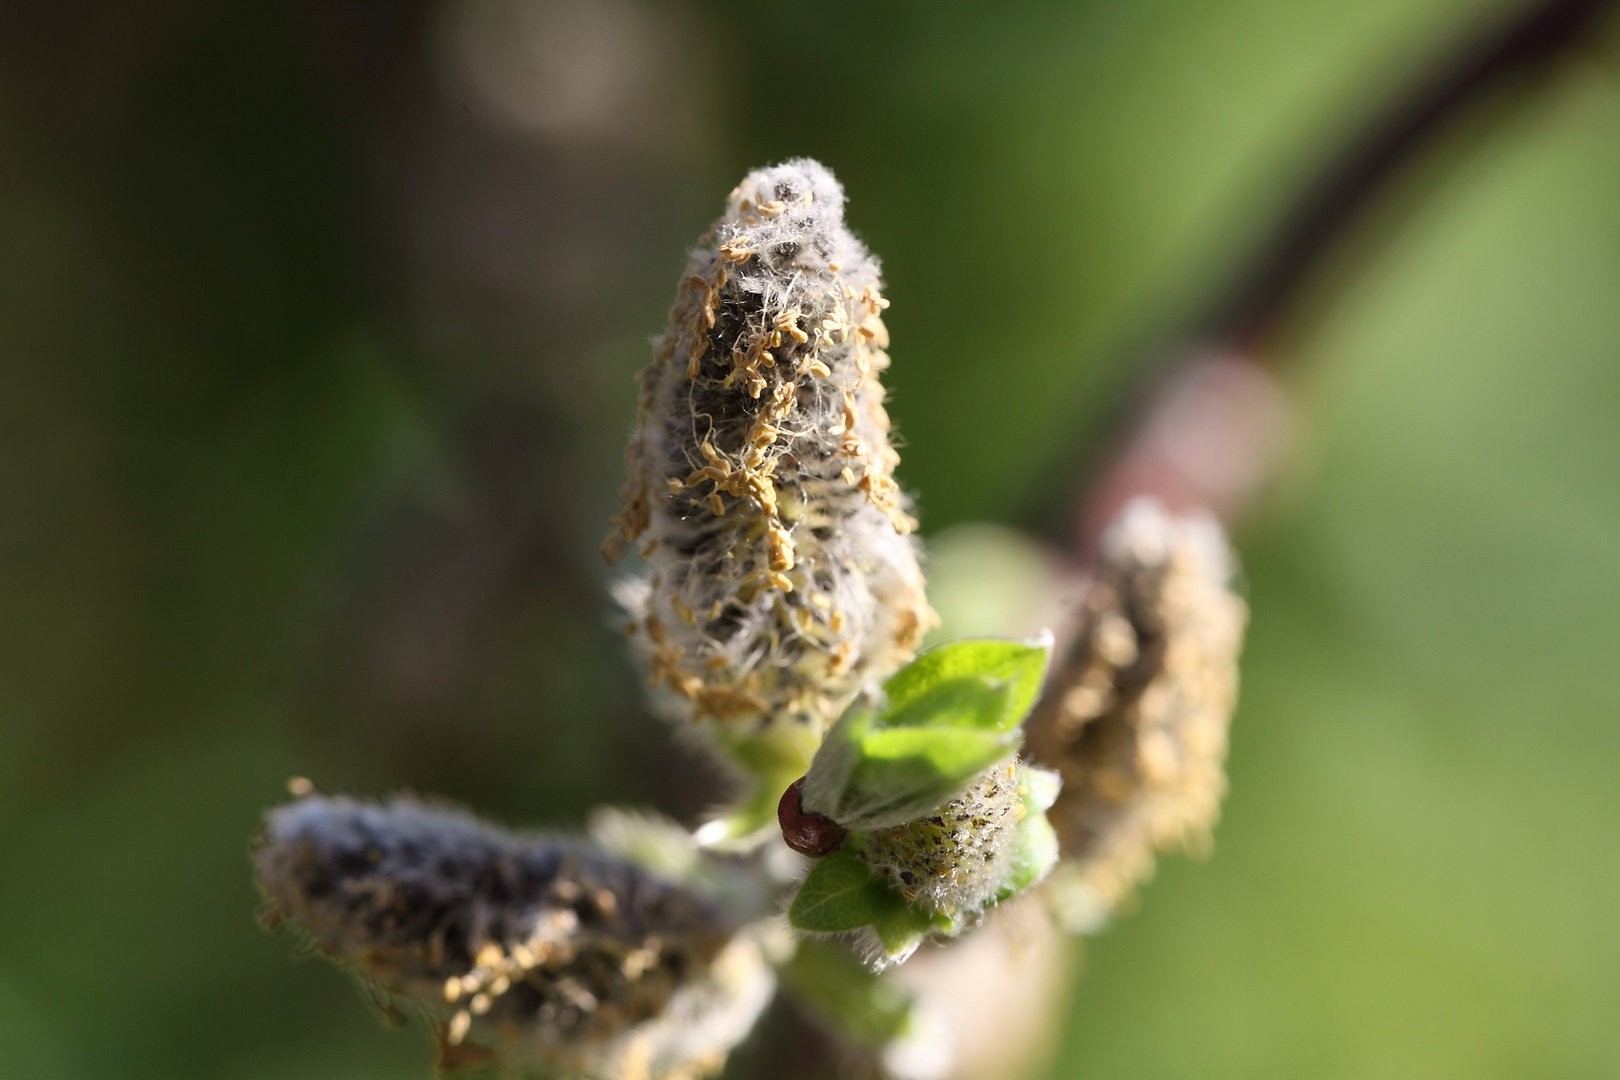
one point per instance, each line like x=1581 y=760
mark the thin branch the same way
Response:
x=1206 y=425
x=1528 y=43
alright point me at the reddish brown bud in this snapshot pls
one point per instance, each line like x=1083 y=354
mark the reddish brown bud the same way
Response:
x=809 y=834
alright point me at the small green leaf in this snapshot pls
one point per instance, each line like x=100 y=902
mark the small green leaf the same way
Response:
x=1034 y=854
x=946 y=717
x=827 y=780
x=841 y=893
x=1042 y=787
x=902 y=929
x=903 y=775
x=1035 y=843
x=982 y=684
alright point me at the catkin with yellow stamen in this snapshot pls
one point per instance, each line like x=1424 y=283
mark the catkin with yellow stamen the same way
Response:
x=537 y=952
x=779 y=574
x=1135 y=719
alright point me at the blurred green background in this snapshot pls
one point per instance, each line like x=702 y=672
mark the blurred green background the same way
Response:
x=317 y=323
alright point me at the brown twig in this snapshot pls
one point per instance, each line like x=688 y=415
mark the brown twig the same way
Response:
x=1206 y=425
x=1527 y=43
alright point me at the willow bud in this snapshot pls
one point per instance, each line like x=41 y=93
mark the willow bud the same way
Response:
x=779 y=574
x=963 y=856
x=1135 y=719
x=533 y=951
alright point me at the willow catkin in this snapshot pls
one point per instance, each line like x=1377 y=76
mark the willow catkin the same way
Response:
x=537 y=951
x=780 y=577
x=1135 y=718
x=956 y=859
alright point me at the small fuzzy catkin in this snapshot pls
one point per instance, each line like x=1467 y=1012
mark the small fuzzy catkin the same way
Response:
x=1135 y=718
x=780 y=575
x=956 y=859
x=533 y=951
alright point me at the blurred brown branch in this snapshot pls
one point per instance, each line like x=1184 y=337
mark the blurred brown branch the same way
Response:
x=1206 y=425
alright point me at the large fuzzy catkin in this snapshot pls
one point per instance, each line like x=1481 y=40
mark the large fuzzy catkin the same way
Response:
x=780 y=577
x=1135 y=719
x=538 y=952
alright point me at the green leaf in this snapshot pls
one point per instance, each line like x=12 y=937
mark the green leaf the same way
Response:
x=841 y=893
x=904 y=775
x=945 y=718
x=1042 y=787
x=1035 y=843
x=1034 y=855
x=902 y=929
x=985 y=684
